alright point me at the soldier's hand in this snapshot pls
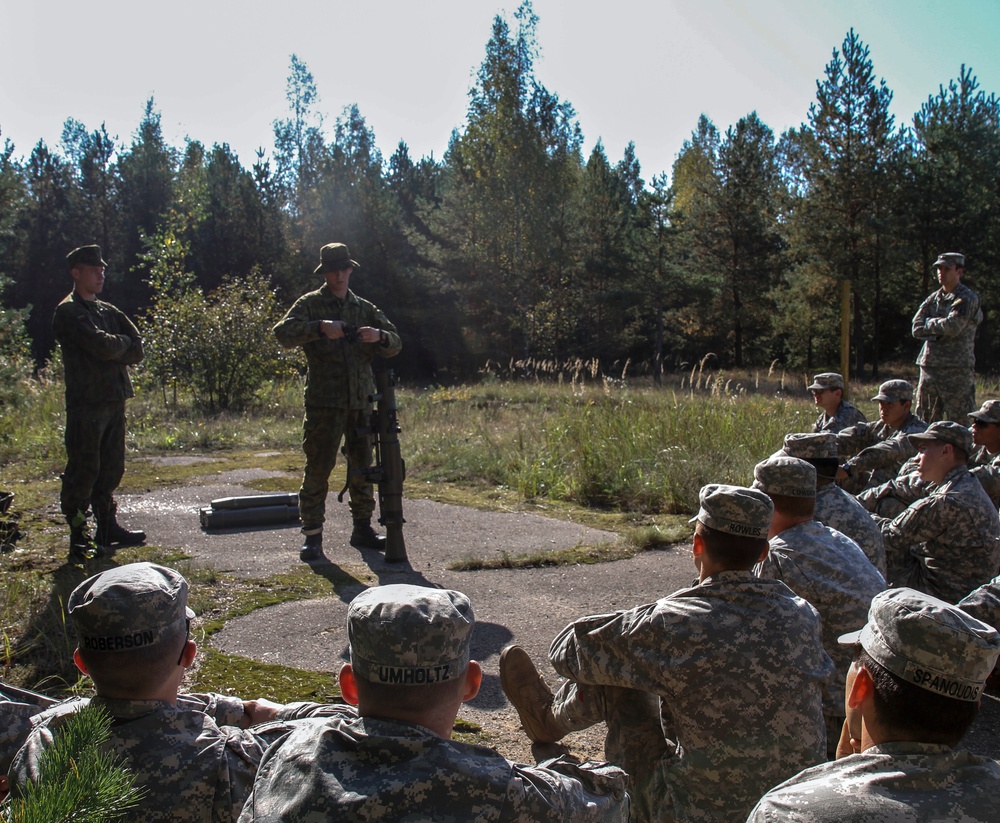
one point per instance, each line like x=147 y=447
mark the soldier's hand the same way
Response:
x=369 y=334
x=260 y=710
x=334 y=329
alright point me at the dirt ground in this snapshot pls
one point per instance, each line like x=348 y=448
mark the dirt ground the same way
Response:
x=524 y=606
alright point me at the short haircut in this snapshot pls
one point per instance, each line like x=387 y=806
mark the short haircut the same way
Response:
x=826 y=467
x=921 y=714
x=731 y=550
x=794 y=506
x=138 y=670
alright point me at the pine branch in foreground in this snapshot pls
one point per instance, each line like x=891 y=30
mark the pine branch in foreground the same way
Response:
x=79 y=783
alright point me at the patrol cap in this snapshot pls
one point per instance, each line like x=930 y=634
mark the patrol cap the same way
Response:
x=334 y=257
x=787 y=476
x=85 y=256
x=989 y=412
x=128 y=607
x=827 y=380
x=929 y=643
x=944 y=431
x=951 y=258
x=810 y=446
x=734 y=510
x=404 y=635
x=894 y=391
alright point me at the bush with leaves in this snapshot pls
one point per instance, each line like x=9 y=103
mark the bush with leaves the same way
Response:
x=15 y=353
x=220 y=345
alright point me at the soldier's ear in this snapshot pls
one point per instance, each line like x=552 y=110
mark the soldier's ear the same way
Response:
x=348 y=685
x=473 y=680
x=78 y=659
x=862 y=688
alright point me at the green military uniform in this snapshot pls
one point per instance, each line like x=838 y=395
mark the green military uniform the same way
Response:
x=339 y=386
x=98 y=344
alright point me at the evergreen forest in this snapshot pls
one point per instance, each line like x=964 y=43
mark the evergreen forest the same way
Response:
x=521 y=243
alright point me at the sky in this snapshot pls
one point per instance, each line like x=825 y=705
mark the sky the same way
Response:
x=634 y=70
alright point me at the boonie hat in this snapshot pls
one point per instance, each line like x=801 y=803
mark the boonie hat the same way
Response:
x=787 y=476
x=85 y=256
x=894 y=391
x=403 y=635
x=334 y=257
x=945 y=431
x=950 y=258
x=929 y=643
x=989 y=412
x=827 y=380
x=810 y=446
x=734 y=510
x=128 y=607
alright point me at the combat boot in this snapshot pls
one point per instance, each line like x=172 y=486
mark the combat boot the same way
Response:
x=81 y=545
x=312 y=549
x=365 y=537
x=530 y=695
x=110 y=532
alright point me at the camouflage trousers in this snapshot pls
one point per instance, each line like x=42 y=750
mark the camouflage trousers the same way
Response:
x=323 y=429
x=946 y=394
x=95 y=458
x=636 y=740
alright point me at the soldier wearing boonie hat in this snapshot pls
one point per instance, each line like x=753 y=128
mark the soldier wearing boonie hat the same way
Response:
x=948 y=541
x=752 y=639
x=879 y=448
x=409 y=671
x=819 y=564
x=828 y=393
x=913 y=690
x=834 y=506
x=946 y=322
x=191 y=754
x=340 y=334
x=984 y=462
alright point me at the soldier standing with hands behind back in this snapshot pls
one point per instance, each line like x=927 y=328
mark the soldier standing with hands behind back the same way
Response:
x=98 y=344
x=340 y=333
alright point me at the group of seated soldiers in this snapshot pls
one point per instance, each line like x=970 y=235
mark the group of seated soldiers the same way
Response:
x=824 y=666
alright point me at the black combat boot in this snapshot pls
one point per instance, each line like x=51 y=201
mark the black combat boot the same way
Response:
x=365 y=537
x=312 y=549
x=111 y=533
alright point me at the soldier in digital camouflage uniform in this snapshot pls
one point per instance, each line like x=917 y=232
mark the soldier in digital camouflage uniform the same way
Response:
x=392 y=758
x=819 y=564
x=946 y=322
x=828 y=393
x=98 y=344
x=192 y=754
x=15 y=723
x=710 y=694
x=984 y=603
x=912 y=692
x=879 y=449
x=947 y=542
x=341 y=334
x=984 y=463
x=835 y=507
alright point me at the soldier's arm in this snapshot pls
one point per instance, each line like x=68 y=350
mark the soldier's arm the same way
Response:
x=299 y=325
x=984 y=603
x=906 y=487
x=134 y=353
x=77 y=329
x=921 y=522
x=988 y=476
x=964 y=310
x=853 y=439
x=889 y=454
x=919 y=329
x=389 y=344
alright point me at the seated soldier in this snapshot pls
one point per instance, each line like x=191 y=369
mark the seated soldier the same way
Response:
x=828 y=393
x=835 y=507
x=393 y=758
x=192 y=754
x=948 y=542
x=879 y=449
x=984 y=463
x=819 y=564
x=710 y=694
x=912 y=692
